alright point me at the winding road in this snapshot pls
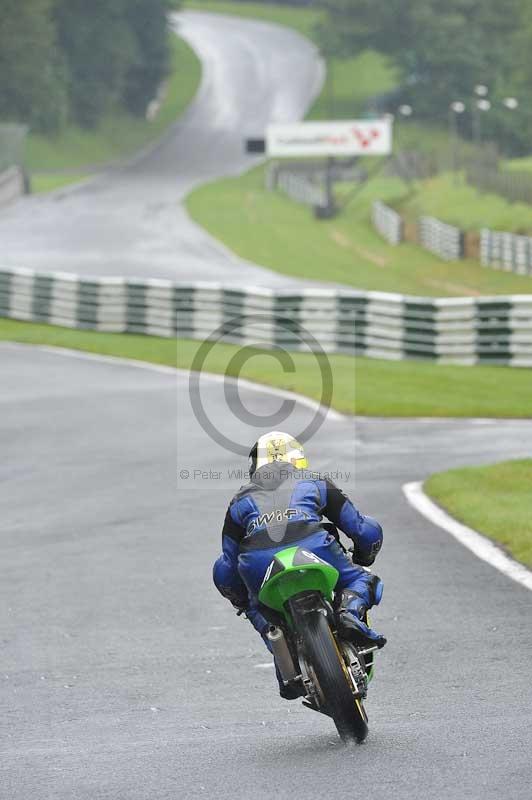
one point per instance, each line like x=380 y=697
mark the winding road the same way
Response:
x=131 y=221
x=123 y=674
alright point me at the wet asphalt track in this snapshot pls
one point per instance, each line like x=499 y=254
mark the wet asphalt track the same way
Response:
x=131 y=221
x=124 y=675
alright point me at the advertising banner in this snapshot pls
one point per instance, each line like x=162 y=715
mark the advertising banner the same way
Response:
x=343 y=138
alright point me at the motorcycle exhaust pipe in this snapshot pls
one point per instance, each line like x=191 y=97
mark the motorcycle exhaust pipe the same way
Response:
x=281 y=653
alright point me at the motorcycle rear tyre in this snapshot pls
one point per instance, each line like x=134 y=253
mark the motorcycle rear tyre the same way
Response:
x=323 y=654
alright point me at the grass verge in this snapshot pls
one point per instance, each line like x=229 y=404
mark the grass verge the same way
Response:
x=48 y=182
x=304 y=20
x=450 y=199
x=360 y=385
x=355 y=81
x=270 y=229
x=523 y=164
x=120 y=134
x=494 y=500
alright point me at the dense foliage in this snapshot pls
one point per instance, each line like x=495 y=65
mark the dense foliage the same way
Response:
x=72 y=60
x=443 y=50
x=305 y=3
x=32 y=75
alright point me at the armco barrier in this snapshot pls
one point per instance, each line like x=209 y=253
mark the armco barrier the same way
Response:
x=387 y=222
x=302 y=189
x=443 y=240
x=507 y=251
x=11 y=185
x=494 y=330
x=304 y=186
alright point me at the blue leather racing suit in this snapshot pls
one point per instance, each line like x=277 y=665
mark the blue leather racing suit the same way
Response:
x=281 y=507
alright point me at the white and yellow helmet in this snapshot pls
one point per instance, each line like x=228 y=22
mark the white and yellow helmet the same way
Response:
x=277 y=446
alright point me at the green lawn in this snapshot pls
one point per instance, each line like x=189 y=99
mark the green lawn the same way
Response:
x=464 y=206
x=269 y=229
x=365 y=386
x=494 y=500
x=304 y=20
x=424 y=137
x=520 y=164
x=355 y=81
x=47 y=182
x=120 y=134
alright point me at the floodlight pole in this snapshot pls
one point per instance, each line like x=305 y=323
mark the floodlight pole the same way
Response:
x=476 y=123
x=480 y=94
x=454 y=109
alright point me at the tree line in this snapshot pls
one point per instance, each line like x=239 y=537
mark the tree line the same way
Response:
x=73 y=61
x=442 y=51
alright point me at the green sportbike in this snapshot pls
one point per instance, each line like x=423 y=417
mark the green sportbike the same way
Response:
x=331 y=674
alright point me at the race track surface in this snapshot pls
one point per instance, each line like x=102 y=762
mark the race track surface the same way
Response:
x=131 y=221
x=124 y=675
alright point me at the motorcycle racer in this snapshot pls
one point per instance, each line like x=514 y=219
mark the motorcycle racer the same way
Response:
x=284 y=504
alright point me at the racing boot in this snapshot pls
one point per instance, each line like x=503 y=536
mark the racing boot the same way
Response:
x=352 y=622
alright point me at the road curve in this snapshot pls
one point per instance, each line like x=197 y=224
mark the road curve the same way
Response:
x=124 y=675
x=131 y=221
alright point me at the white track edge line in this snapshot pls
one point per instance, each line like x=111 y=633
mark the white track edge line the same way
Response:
x=330 y=413
x=478 y=544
